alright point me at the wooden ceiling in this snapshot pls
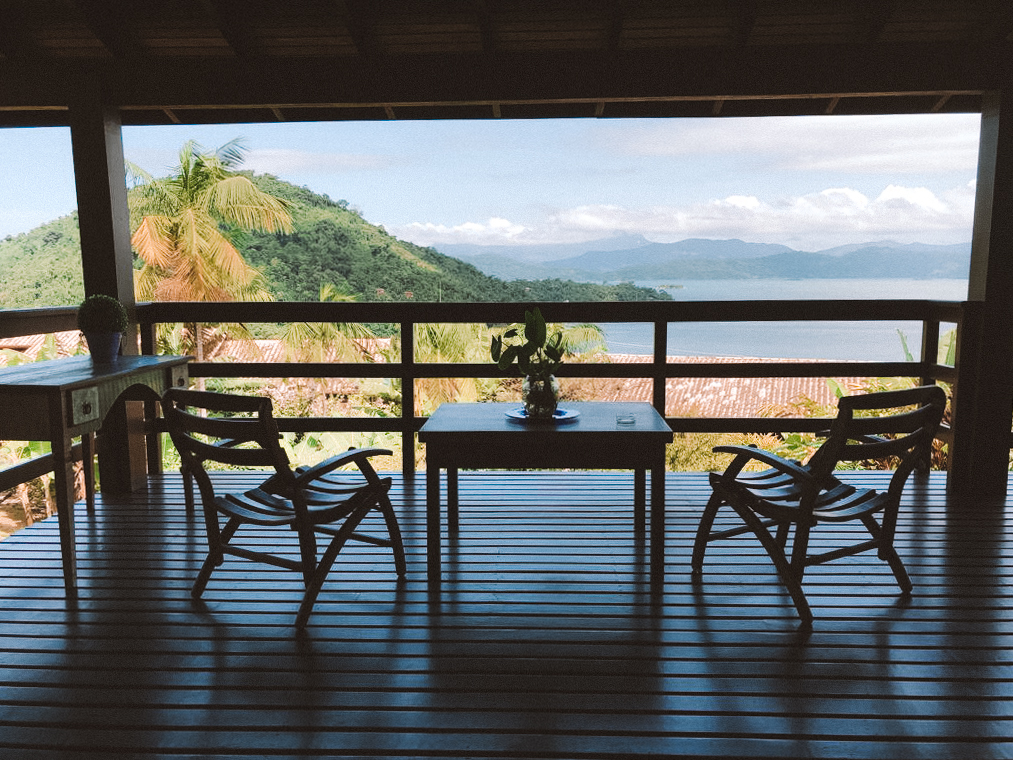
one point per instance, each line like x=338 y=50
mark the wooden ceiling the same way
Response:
x=208 y=61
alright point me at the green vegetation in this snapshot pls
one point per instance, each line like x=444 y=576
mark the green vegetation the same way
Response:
x=537 y=356
x=101 y=314
x=42 y=267
x=185 y=237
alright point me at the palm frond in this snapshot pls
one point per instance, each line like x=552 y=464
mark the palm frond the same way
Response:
x=242 y=203
x=153 y=243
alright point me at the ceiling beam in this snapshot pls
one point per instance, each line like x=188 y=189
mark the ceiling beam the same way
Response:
x=614 y=31
x=106 y=21
x=357 y=17
x=872 y=17
x=16 y=39
x=486 y=28
x=575 y=78
x=745 y=13
x=229 y=18
x=997 y=21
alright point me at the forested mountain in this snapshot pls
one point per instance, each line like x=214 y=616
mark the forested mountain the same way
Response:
x=331 y=243
x=42 y=267
x=696 y=259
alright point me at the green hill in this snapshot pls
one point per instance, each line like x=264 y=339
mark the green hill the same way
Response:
x=331 y=243
x=42 y=267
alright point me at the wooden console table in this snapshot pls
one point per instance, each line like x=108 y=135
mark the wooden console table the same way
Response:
x=62 y=399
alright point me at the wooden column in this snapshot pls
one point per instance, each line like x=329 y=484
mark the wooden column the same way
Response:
x=979 y=467
x=104 y=221
x=103 y=215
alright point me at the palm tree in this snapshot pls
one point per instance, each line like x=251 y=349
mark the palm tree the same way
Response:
x=184 y=236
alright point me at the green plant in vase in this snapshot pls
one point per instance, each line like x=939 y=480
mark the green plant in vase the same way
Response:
x=103 y=320
x=537 y=357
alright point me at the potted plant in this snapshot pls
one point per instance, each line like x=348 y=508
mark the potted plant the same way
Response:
x=537 y=358
x=103 y=320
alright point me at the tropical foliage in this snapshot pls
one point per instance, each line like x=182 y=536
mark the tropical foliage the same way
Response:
x=187 y=224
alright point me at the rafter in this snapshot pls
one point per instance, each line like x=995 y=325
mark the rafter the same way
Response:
x=997 y=21
x=872 y=17
x=483 y=13
x=616 y=19
x=16 y=40
x=745 y=13
x=356 y=16
x=105 y=19
x=229 y=17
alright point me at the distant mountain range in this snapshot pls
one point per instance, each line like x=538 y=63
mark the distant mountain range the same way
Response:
x=634 y=258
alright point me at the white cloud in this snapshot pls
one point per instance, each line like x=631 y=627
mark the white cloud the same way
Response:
x=815 y=221
x=924 y=143
x=495 y=231
x=286 y=161
x=913 y=196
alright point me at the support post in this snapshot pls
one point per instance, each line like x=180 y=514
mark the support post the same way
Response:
x=104 y=221
x=983 y=410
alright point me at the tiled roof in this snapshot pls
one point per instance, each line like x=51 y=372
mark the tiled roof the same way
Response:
x=718 y=397
x=688 y=396
x=67 y=343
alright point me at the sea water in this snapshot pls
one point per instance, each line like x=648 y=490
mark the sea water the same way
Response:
x=866 y=341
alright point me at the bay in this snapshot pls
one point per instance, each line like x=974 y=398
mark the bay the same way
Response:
x=840 y=341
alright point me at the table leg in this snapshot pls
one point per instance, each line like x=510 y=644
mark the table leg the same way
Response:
x=433 y=538
x=658 y=523
x=453 y=522
x=88 y=467
x=639 y=500
x=63 y=480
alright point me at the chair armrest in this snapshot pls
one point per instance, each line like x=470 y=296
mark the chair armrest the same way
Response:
x=359 y=456
x=786 y=466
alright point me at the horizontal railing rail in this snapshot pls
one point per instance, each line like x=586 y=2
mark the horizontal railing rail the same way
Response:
x=403 y=316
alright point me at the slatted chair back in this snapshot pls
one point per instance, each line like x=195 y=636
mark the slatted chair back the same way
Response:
x=247 y=438
x=899 y=426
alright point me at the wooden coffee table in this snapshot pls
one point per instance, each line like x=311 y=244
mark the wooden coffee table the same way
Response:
x=477 y=436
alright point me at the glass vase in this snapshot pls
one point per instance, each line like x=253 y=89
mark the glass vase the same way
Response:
x=540 y=396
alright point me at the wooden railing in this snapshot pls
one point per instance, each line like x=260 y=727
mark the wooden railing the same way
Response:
x=404 y=317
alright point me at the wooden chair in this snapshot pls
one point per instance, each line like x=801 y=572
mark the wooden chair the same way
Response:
x=240 y=431
x=792 y=495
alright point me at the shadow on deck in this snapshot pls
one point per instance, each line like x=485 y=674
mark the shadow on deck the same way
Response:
x=545 y=640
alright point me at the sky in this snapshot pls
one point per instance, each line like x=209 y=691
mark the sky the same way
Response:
x=808 y=182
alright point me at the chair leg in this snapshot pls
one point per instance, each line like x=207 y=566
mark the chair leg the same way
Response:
x=783 y=528
x=187 y=487
x=217 y=537
x=703 y=533
x=394 y=531
x=790 y=576
x=316 y=581
x=887 y=553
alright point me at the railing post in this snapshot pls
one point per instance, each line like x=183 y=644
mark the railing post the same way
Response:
x=153 y=441
x=408 y=400
x=660 y=382
x=930 y=348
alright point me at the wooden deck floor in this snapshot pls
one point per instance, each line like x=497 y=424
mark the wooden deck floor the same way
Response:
x=544 y=643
